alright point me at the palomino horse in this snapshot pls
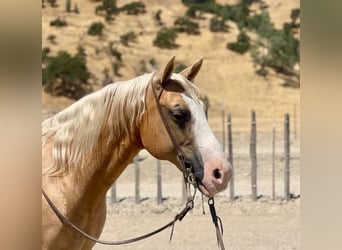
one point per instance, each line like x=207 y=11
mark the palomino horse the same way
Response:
x=87 y=146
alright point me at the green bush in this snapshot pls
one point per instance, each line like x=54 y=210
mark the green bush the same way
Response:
x=208 y=6
x=109 y=8
x=183 y=24
x=128 y=37
x=45 y=52
x=68 y=6
x=189 y=2
x=52 y=3
x=58 y=23
x=66 y=76
x=76 y=10
x=52 y=38
x=157 y=17
x=153 y=62
x=218 y=24
x=166 y=38
x=117 y=54
x=276 y=48
x=134 y=8
x=295 y=14
x=261 y=24
x=262 y=72
x=242 y=44
x=239 y=14
x=179 y=67
x=96 y=29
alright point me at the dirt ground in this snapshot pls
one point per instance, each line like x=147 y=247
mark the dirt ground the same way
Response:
x=262 y=224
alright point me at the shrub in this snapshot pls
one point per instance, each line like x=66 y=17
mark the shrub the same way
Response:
x=188 y=2
x=262 y=72
x=277 y=49
x=242 y=44
x=117 y=54
x=218 y=24
x=45 y=52
x=66 y=76
x=179 y=67
x=166 y=38
x=261 y=24
x=183 y=24
x=153 y=62
x=295 y=17
x=110 y=9
x=134 y=8
x=96 y=29
x=239 y=13
x=142 y=65
x=128 y=37
x=58 y=23
x=107 y=79
x=52 y=3
x=116 y=67
x=114 y=52
x=208 y=6
x=157 y=17
x=76 y=9
x=68 y=6
x=52 y=38
x=295 y=14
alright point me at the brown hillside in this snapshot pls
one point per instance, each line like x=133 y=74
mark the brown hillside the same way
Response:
x=226 y=77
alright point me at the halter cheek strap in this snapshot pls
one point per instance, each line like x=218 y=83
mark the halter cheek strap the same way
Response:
x=186 y=165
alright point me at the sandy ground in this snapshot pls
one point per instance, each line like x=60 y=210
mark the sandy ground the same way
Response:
x=262 y=224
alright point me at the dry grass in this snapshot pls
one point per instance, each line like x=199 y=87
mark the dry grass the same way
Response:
x=226 y=77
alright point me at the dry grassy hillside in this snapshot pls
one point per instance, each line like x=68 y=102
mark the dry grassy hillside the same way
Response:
x=226 y=77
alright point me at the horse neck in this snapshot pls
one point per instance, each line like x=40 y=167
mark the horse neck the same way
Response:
x=108 y=159
x=106 y=156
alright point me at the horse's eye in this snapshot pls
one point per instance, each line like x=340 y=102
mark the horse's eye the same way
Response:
x=180 y=115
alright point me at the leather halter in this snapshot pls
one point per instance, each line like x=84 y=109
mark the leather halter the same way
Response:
x=189 y=178
x=188 y=170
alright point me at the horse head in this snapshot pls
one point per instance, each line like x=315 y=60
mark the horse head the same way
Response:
x=175 y=121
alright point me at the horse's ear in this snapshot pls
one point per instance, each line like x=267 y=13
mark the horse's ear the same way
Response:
x=191 y=72
x=163 y=75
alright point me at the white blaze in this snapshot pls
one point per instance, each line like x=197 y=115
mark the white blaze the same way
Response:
x=204 y=137
x=216 y=168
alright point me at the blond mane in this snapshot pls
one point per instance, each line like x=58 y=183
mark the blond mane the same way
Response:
x=75 y=131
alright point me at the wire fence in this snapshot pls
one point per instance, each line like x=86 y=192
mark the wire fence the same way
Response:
x=265 y=159
x=265 y=164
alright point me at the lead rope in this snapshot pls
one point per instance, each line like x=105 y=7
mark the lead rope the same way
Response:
x=216 y=219
x=64 y=220
x=189 y=206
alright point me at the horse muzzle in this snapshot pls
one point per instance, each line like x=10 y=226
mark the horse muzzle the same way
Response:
x=217 y=174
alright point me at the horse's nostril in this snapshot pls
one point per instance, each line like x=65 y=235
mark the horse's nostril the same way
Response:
x=217 y=174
